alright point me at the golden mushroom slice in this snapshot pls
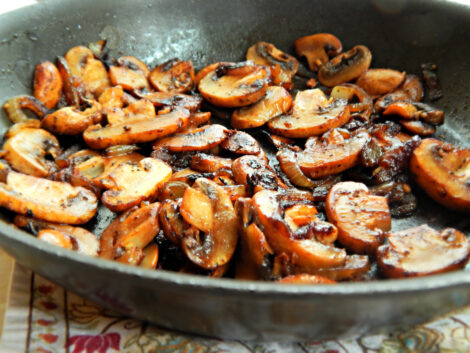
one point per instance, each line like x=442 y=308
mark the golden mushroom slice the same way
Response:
x=240 y=142
x=317 y=48
x=27 y=151
x=196 y=209
x=443 y=171
x=144 y=129
x=174 y=100
x=198 y=139
x=323 y=157
x=45 y=199
x=47 y=84
x=130 y=73
x=75 y=238
x=91 y=72
x=71 y=120
x=283 y=66
x=208 y=163
x=377 y=82
x=112 y=98
x=233 y=85
x=359 y=102
x=216 y=247
x=139 y=109
x=411 y=89
x=173 y=76
x=306 y=279
x=345 y=67
x=361 y=218
x=277 y=101
x=306 y=253
x=422 y=251
x=131 y=183
x=255 y=173
x=313 y=114
x=134 y=229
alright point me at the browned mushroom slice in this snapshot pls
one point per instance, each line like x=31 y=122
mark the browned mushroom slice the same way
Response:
x=52 y=201
x=205 y=70
x=443 y=171
x=255 y=173
x=284 y=66
x=418 y=127
x=415 y=110
x=281 y=141
x=28 y=149
x=289 y=165
x=171 y=221
x=150 y=257
x=234 y=85
x=277 y=101
x=410 y=90
x=80 y=239
x=129 y=184
x=90 y=71
x=360 y=103
x=174 y=100
x=112 y=98
x=71 y=120
x=198 y=139
x=196 y=209
x=134 y=229
x=378 y=82
x=313 y=114
x=317 y=48
x=216 y=247
x=423 y=251
x=70 y=87
x=345 y=67
x=47 y=84
x=306 y=279
x=130 y=73
x=241 y=143
x=186 y=175
x=200 y=118
x=306 y=253
x=55 y=237
x=322 y=158
x=137 y=131
x=208 y=163
x=172 y=190
x=140 y=109
x=132 y=256
x=14 y=108
x=356 y=267
x=361 y=218
x=173 y=76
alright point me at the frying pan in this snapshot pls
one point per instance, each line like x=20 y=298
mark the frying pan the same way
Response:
x=401 y=34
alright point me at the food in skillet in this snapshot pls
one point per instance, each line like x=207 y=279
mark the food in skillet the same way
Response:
x=352 y=144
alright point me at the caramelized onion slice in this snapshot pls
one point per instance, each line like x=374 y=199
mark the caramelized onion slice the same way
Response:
x=52 y=201
x=423 y=251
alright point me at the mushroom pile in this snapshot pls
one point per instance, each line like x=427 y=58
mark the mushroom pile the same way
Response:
x=351 y=142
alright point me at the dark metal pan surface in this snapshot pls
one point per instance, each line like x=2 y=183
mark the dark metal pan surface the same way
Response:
x=401 y=35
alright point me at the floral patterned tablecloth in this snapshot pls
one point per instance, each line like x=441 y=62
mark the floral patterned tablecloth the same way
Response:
x=43 y=317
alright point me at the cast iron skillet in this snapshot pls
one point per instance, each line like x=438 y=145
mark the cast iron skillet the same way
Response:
x=401 y=34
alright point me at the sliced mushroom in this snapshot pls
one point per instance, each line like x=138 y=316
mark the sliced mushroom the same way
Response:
x=378 y=82
x=423 y=251
x=134 y=229
x=241 y=143
x=140 y=109
x=71 y=120
x=47 y=84
x=27 y=124
x=80 y=239
x=208 y=163
x=70 y=86
x=280 y=141
x=129 y=184
x=90 y=71
x=277 y=101
x=416 y=110
x=199 y=139
x=410 y=90
x=174 y=100
x=130 y=73
x=173 y=76
x=234 y=85
x=361 y=218
x=443 y=171
x=255 y=173
x=306 y=279
x=172 y=222
x=137 y=131
x=14 y=108
x=313 y=114
x=345 y=67
x=28 y=149
x=307 y=254
x=322 y=157
x=317 y=48
x=172 y=190
x=283 y=66
x=359 y=102
x=112 y=98
x=196 y=209
x=150 y=257
x=55 y=237
x=48 y=200
x=216 y=247
x=418 y=127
